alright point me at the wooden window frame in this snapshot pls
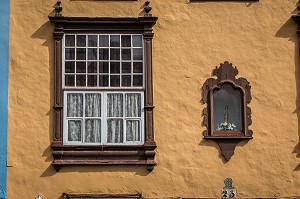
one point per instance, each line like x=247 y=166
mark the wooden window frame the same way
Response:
x=101 y=196
x=72 y=155
x=227 y=140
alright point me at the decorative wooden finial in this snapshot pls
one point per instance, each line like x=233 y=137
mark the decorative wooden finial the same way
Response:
x=147 y=9
x=58 y=8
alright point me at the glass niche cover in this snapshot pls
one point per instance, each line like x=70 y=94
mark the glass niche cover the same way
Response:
x=227 y=104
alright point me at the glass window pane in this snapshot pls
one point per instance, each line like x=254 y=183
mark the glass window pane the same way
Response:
x=92 y=105
x=114 y=54
x=70 y=41
x=114 y=131
x=115 y=80
x=138 y=67
x=92 y=67
x=115 y=105
x=133 y=130
x=92 y=131
x=103 y=80
x=81 y=40
x=137 y=40
x=126 y=40
x=80 y=54
x=103 y=67
x=92 y=40
x=126 y=67
x=80 y=80
x=114 y=40
x=69 y=67
x=137 y=80
x=103 y=53
x=92 y=80
x=133 y=105
x=70 y=53
x=227 y=108
x=126 y=54
x=126 y=80
x=74 y=105
x=137 y=54
x=74 y=130
x=92 y=53
x=69 y=80
x=80 y=67
x=115 y=67
x=103 y=41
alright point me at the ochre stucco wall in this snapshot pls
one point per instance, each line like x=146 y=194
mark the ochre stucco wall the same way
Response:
x=190 y=40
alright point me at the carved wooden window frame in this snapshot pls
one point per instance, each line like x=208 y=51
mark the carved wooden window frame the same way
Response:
x=101 y=196
x=70 y=155
x=227 y=140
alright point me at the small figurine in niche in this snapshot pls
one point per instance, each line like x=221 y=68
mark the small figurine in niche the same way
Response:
x=225 y=126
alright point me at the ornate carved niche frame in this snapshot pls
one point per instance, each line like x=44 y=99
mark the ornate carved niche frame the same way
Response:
x=227 y=139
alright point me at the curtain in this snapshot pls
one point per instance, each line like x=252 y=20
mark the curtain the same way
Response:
x=74 y=109
x=114 y=112
x=92 y=126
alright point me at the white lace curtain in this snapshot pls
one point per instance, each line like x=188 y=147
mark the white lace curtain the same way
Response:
x=122 y=110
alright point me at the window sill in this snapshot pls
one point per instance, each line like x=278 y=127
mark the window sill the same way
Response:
x=79 y=155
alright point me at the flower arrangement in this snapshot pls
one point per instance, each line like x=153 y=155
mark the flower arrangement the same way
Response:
x=226 y=126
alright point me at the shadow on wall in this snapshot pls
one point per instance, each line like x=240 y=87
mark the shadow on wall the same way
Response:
x=45 y=33
x=289 y=30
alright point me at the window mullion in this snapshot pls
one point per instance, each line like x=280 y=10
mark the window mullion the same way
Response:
x=104 y=118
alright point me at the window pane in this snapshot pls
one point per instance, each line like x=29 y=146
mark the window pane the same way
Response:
x=74 y=105
x=114 y=131
x=103 y=53
x=114 y=41
x=137 y=80
x=137 y=54
x=70 y=53
x=103 y=67
x=80 y=80
x=92 y=53
x=114 y=54
x=92 y=67
x=115 y=80
x=70 y=40
x=80 y=67
x=103 y=40
x=69 y=67
x=126 y=67
x=92 y=105
x=115 y=67
x=92 y=80
x=126 y=54
x=92 y=131
x=81 y=40
x=115 y=105
x=103 y=80
x=126 y=80
x=74 y=130
x=126 y=40
x=133 y=130
x=70 y=80
x=81 y=54
x=138 y=67
x=137 y=40
x=92 y=40
x=133 y=105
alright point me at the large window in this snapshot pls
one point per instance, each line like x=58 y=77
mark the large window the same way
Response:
x=106 y=62
x=103 y=99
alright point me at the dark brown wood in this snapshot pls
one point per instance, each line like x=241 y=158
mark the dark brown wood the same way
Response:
x=102 y=155
x=227 y=140
x=102 y=196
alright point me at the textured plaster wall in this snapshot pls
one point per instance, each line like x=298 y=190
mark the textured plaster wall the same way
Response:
x=190 y=40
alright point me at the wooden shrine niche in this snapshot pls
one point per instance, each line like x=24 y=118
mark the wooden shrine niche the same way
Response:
x=227 y=116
